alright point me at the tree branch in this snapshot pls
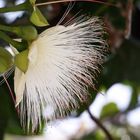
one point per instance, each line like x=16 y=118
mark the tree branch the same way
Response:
x=108 y=135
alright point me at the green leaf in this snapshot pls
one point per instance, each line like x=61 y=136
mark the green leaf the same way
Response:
x=38 y=19
x=21 y=60
x=6 y=60
x=109 y=110
x=32 y=1
x=3 y=65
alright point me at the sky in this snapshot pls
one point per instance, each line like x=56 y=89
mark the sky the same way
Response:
x=11 y=16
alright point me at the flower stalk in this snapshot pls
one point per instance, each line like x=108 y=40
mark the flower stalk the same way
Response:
x=6 y=28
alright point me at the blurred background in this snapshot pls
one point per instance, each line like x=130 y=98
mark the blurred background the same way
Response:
x=116 y=105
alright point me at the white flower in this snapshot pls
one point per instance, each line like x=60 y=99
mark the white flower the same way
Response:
x=63 y=62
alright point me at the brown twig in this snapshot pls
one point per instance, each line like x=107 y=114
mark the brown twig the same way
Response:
x=108 y=135
x=62 y=1
x=129 y=10
x=10 y=90
x=11 y=93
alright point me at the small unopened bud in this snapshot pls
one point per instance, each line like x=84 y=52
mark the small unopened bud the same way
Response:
x=21 y=60
x=26 y=32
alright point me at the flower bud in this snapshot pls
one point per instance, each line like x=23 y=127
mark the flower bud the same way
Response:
x=26 y=32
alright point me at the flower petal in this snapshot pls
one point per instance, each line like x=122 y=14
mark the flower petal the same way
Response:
x=19 y=85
